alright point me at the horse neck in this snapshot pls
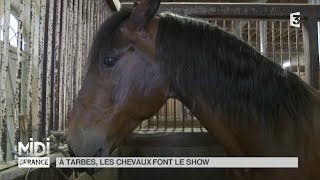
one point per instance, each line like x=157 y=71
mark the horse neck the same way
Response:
x=215 y=123
x=249 y=140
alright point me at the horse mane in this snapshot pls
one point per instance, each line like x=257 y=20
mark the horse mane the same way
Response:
x=205 y=61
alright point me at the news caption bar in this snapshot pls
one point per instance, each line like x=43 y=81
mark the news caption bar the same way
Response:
x=177 y=162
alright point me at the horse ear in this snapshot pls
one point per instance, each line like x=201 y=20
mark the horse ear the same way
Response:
x=143 y=12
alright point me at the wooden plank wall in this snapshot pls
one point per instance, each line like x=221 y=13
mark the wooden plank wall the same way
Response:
x=53 y=41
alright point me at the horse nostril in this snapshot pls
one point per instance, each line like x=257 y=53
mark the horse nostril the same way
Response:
x=86 y=142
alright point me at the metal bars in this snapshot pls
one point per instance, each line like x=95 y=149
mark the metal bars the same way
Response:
x=48 y=72
x=172 y=117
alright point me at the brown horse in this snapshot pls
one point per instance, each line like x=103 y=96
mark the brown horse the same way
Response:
x=250 y=105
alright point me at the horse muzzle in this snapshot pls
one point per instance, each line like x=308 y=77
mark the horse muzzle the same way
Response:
x=86 y=143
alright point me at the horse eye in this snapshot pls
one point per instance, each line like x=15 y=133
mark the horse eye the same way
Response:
x=109 y=62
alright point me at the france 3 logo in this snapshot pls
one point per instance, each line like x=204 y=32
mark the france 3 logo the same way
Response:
x=295 y=19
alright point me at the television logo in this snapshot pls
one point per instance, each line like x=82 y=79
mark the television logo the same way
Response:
x=295 y=19
x=34 y=149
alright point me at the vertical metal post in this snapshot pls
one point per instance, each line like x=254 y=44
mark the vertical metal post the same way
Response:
x=80 y=45
x=311 y=51
x=95 y=21
x=91 y=22
x=98 y=10
x=183 y=118
x=49 y=70
x=174 y=114
x=273 y=42
x=232 y=28
x=289 y=46
x=157 y=119
x=30 y=68
x=40 y=103
x=35 y=69
x=224 y=24
x=66 y=77
x=90 y=28
x=17 y=90
x=281 y=44
x=4 y=76
x=84 y=40
x=1 y=44
x=74 y=50
x=257 y=35
x=69 y=84
x=297 y=51
x=62 y=55
x=192 y=123
x=166 y=116
x=56 y=65
x=249 y=32
x=263 y=37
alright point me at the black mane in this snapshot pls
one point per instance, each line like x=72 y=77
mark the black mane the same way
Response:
x=205 y=61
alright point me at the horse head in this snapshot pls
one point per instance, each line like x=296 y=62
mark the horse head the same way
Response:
x=123 y=85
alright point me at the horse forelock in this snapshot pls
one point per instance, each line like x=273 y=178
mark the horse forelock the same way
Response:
x=106 y=33
x=203 y=60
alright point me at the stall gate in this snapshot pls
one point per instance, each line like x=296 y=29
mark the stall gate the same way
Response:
x=44 y=45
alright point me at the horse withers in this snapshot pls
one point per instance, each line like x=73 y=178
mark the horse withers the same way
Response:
x=248 y=103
